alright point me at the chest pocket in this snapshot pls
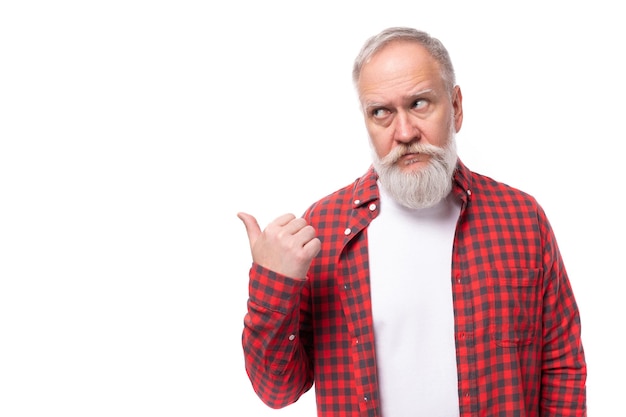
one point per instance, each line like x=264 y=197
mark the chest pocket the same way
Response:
x=509 y=302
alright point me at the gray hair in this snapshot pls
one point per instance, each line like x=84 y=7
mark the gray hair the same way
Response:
x=432 y=45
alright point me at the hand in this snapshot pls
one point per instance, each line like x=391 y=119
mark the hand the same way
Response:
x=286 y=246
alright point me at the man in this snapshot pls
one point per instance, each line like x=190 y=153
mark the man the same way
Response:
x=422 y=289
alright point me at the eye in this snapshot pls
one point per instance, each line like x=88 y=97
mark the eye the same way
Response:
x=420 y=103
x=379 y=113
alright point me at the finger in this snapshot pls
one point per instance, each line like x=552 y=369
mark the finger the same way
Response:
x=309 y=240
x=305 y=234
x=312 y=247
x=252 y=226
x=295 y=225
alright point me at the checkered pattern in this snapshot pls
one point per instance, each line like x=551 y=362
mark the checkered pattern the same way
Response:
x=517 y=326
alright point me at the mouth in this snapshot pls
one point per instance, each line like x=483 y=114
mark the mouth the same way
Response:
x=412 y=158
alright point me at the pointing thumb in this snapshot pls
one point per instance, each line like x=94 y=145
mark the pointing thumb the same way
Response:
x=252 y=227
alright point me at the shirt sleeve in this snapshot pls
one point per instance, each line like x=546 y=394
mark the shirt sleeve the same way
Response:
x=276 y=339
x=564 y=370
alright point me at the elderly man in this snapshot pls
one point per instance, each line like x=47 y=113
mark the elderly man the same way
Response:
x=421 y=289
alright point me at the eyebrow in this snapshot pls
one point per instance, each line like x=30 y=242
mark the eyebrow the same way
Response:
x=417 y=94
x=424 y=92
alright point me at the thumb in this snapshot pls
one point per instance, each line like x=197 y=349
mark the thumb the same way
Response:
x=252 y=227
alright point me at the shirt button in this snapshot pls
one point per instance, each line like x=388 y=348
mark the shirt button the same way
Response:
x=357 y=202
x=292 y=336
x=469 y=192
x=347 y=231
x=372 y=207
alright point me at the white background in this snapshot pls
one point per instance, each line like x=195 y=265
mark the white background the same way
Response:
x=132 y=132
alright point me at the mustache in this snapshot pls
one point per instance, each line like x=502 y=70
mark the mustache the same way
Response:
x=412 y=148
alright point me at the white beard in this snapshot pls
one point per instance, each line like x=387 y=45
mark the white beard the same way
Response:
x=422 y=188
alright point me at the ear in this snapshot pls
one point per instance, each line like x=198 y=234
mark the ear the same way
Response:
x=457 y=105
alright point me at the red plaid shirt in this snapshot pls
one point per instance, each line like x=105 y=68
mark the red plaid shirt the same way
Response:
x=517 y=327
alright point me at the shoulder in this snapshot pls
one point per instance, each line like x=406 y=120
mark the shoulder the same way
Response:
x=344 y=199
x=333 y=201
x=493 y=188
x=485 y=190
x=491 y=195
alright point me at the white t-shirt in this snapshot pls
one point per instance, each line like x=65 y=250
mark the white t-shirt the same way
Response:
x=410 y=254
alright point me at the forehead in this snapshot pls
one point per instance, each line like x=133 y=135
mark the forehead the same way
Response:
x=403 y=65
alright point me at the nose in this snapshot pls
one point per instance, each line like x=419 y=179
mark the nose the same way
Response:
x=405 y=129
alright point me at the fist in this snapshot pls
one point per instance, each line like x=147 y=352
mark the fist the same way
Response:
x=286 y=246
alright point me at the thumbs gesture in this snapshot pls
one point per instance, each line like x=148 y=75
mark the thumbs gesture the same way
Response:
x=286 y=246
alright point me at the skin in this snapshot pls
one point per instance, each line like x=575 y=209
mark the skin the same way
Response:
x=404 y=99
x=286 y=246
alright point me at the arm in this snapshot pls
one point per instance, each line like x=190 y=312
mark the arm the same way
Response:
x=277 y=337
x=564 y=371
x=275 y=345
